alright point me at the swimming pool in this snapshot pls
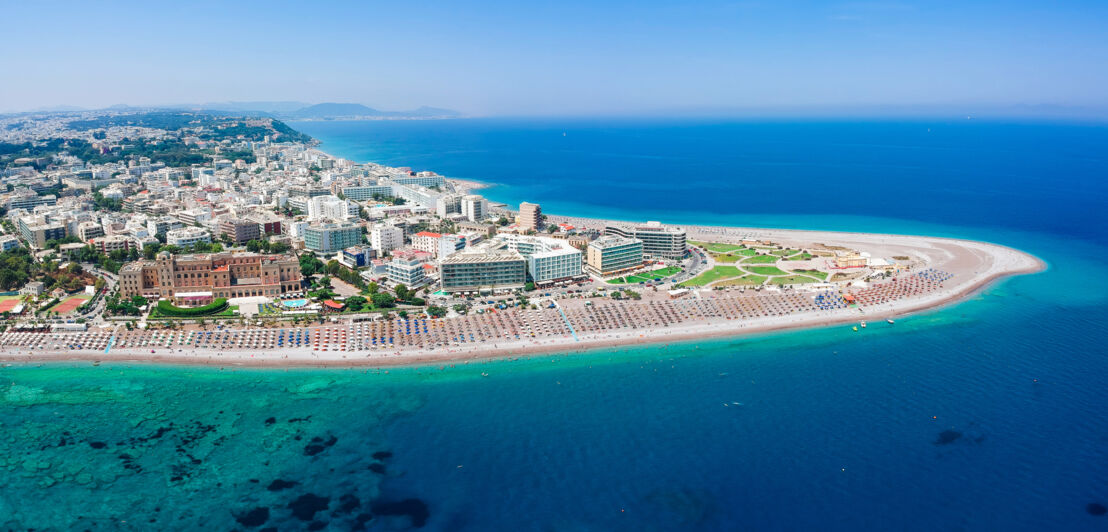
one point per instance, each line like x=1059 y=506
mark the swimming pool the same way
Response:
x=295 y=303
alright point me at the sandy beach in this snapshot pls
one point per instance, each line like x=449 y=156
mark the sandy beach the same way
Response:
x=703 y=314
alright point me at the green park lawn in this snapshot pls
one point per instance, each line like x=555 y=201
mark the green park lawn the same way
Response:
x=746 y=280
x=813 y=273
x=766 y=270
x=646 y=277
x=762 y=259
x=717 y=247
x=792 y=279
x=713 y=275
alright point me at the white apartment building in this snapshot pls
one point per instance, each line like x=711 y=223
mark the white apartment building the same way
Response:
x=475 y=208
x=187 y=236
x=407 y=272
x=385 y=238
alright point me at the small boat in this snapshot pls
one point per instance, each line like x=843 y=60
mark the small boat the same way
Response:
x=483 y=374
x=890 y=320
x=863 y=324
x=855 y=328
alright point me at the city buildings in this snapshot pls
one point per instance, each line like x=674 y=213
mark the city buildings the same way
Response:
x=611 y=255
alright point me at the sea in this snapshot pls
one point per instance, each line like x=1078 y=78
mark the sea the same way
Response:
x=989 y=414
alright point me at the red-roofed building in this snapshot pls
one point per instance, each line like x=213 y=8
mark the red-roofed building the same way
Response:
x=426 y=241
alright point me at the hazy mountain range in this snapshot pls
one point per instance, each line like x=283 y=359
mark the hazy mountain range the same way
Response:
x=286 y=110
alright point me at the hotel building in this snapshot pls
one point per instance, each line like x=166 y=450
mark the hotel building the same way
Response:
x=530 y=216
x=610 y=255
x=329 y=238
x=658 y=241
x=474 y=271
x=549 y=260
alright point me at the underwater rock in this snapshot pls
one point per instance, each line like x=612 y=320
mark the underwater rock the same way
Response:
x=415 y=509
x=348 y=503
x=256 y=517
x=1095 y=508
x=278 y=485
x=382 y=455
x=947 y=437
x=377 y=468
x=306 y=506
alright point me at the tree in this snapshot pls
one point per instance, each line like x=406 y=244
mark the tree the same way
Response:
x=333 y=267
x=460 y=309
x=403 y=314
x=372 y=288
x=401 y=291
x=383 y=300
x=436 y=312
x=356 y=303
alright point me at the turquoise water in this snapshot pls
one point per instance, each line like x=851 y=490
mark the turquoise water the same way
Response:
x=985 y=415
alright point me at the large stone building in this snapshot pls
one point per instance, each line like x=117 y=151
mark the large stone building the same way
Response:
x=200 y=278
x=658 y=241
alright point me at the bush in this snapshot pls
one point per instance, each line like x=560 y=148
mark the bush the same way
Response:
x=165 y=308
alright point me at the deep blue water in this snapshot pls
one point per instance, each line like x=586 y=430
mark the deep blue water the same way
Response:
x=987 y=415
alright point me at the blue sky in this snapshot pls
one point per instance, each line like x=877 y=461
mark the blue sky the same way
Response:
x=551 y=58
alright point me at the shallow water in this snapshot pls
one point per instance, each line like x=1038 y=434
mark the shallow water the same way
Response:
x=985 y=415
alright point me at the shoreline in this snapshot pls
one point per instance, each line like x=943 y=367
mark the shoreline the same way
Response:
x=1002 y=263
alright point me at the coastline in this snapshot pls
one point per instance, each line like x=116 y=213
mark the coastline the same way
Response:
x=978 y=264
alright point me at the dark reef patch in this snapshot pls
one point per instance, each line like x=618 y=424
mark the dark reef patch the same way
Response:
x=1095 y=508
x=97 y=444
x=278 y=485
x=319 y=445
x=270 y=420
x=348 y=503
x=947 y=437
x=306 y=506
x=415 y=509
x=256 y=517
x=377 y=468
x=382 y=455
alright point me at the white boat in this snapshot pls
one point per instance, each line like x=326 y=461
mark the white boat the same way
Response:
x=863 y=324
x=890 y=320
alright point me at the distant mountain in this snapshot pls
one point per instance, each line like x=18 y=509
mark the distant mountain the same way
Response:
x=325 y=111
x=332 y=110
x=278 y=107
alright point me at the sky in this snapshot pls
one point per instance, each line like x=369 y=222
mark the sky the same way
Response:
x=561 y=58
